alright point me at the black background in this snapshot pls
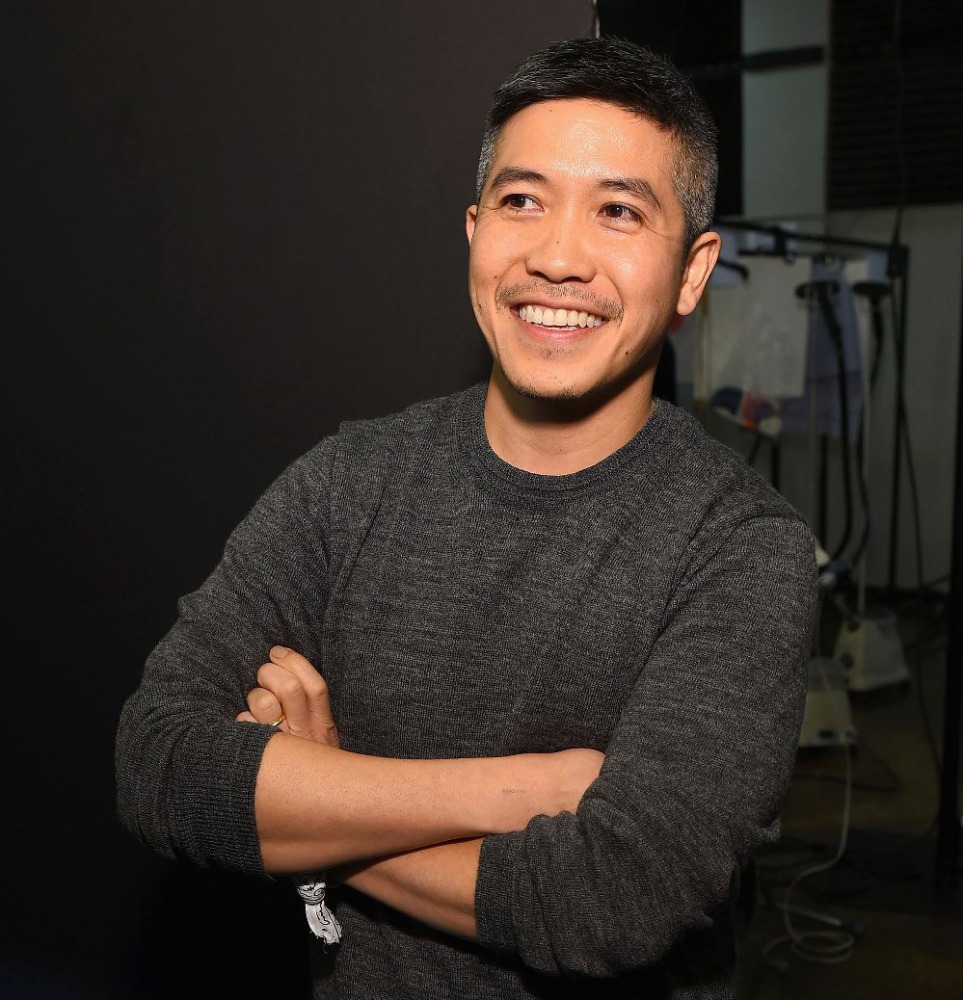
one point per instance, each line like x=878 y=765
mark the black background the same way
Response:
x=229 y=226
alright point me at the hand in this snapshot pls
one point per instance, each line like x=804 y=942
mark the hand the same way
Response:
x=289 y=688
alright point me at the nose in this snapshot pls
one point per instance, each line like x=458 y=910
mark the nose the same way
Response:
x=561 y=250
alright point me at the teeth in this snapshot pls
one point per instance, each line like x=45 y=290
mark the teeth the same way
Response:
x=559 y=317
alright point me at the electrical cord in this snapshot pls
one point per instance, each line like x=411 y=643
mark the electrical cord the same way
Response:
x=831 y=946
x=823 y=946
x=822 y=291
x=875 y=292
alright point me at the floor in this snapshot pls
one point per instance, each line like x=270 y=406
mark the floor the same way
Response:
x=852 y=904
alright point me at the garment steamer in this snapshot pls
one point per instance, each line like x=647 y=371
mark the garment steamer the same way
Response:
x=867 y=648
x=828 y=720
x=868 y=644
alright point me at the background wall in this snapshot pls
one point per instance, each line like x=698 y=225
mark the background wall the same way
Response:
x=784 y=168
x=230 y=226
x=785 y=153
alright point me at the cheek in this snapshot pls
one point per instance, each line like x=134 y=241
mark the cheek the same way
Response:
x=644 y=284
x=628 y=267
x=494 y=249
x=482 y=269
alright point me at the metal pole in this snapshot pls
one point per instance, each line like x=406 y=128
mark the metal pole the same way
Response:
x=898 y=272
x=948 y=833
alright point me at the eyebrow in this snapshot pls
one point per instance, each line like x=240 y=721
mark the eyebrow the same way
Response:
x=517 y=175
x=637 y=186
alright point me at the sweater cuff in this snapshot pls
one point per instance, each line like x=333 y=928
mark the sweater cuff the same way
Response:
x=219 y=818
x=494 y=892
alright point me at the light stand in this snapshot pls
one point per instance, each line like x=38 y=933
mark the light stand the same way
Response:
x=948 y=830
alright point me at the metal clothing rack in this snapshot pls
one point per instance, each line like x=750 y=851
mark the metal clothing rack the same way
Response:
x=782 y=241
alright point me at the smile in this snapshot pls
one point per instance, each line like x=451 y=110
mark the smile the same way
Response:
x=558 y=317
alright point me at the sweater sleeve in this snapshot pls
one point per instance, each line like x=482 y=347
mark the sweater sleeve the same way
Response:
x=693 y=777
x=185 y=771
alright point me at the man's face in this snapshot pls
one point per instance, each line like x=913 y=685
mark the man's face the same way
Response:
x=576 y=258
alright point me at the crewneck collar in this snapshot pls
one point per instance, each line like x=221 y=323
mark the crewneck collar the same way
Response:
x=500 y=475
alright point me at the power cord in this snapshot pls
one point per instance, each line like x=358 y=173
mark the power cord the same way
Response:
x=823 y=946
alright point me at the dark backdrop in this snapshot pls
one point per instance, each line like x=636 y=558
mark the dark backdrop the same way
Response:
x=229 y=225
x=704 y=38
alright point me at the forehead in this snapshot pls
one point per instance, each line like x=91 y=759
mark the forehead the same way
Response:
x=584 y=137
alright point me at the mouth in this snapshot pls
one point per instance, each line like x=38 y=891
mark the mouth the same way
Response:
x=556 y=319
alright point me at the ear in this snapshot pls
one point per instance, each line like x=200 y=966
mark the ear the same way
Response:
x=471 y=217
x=699 y=264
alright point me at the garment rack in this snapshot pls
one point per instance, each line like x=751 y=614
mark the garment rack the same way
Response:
x=783 y=241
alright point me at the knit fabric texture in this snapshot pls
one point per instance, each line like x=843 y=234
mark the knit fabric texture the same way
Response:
x=658 y=606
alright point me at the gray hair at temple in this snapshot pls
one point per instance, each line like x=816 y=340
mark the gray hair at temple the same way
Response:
x=619 y=72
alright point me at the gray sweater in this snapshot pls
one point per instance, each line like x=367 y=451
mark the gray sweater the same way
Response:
x=658 y=606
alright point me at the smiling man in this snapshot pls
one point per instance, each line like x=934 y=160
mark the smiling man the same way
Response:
x=518 y=673
x=579 y=260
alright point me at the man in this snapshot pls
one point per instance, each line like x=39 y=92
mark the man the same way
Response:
x=498 y=588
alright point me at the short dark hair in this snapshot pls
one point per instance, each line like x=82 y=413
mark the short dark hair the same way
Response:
x=617 y=71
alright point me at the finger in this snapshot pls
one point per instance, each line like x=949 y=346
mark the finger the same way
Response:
x=318 y=721
x=249 y=717
x=283 y=694
x=264 y=705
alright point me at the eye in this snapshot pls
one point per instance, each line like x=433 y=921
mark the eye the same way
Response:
x=622 y=213
x=520 y=202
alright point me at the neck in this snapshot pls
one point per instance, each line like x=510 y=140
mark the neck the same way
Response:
x=552 y=437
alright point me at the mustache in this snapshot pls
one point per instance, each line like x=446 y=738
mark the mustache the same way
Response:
x=547 y=292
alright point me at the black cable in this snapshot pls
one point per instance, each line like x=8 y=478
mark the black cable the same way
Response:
x=823 y=290
x=896 y=270
x=875 y=291
x=863 y=496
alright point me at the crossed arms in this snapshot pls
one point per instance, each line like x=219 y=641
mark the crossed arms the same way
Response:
x=697 y=752
x=406 y=832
